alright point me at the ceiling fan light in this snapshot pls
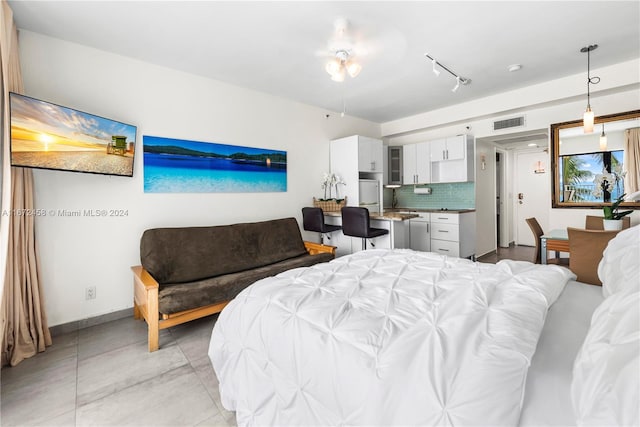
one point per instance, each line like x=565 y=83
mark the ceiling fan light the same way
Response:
x=353 y=68
x=339 y=75
x=333 y=66
x=587 y=120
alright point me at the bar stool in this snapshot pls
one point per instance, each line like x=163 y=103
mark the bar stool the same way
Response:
x=313 y=220
x=355 y=223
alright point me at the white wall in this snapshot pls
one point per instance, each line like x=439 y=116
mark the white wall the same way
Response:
x=76 y=252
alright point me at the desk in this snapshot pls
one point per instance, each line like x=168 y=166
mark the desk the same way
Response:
x=555 y=240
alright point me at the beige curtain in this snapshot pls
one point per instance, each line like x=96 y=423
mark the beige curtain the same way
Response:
x=632 y=160
x=24 y=323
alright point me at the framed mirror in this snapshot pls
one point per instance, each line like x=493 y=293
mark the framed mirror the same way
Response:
x=591 y=170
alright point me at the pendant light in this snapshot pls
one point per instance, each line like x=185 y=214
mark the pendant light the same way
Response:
x=603 y=140
x=588 y=114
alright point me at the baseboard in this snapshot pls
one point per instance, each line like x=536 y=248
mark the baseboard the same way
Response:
x=76 y=325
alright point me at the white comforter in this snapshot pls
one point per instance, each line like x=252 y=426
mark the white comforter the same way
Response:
x=384 y=337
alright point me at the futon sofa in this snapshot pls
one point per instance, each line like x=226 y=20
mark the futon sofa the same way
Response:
x=191 y=272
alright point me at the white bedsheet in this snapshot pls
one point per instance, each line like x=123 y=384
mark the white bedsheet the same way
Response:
x=384 y=337
x=547 y=399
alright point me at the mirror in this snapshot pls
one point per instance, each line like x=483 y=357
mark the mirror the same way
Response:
x=588 y=175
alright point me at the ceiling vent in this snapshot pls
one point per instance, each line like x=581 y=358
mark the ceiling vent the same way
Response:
x=513 y=122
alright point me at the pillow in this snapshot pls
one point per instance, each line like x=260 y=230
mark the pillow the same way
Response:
x=620 y=265
x=605 y=389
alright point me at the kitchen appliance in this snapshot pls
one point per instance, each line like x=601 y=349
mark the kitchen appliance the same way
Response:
x=369 y=194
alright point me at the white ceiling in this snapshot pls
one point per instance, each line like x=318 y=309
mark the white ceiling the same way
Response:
x=273 y=46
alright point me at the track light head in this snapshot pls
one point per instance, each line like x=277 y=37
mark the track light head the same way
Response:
x=435 y=70
x=455 y=88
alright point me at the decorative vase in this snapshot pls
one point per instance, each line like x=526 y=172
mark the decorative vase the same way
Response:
x=612 y=224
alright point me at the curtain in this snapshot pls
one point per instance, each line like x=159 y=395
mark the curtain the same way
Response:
x=24 y=323
x=632 y=160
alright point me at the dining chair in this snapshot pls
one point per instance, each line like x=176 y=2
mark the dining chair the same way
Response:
x=585 y=252
x=536 y=229
x=593 y=222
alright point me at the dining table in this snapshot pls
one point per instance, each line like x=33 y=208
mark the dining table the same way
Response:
x=555 y=240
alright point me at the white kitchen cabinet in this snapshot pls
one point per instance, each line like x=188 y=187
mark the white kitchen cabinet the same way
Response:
x=420 y=236
x=453 y=159
x=370 y=155
x=453 y=234
x=353 y=158
x=416 y=163
x=449 y=148
x=394 y=168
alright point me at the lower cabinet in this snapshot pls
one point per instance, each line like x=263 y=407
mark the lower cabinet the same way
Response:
x=420 y=238
x=454 y=234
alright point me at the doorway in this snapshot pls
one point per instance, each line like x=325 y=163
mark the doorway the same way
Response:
x=503 y=237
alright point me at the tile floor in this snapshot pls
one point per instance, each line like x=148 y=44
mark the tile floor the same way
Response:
x=104 y=375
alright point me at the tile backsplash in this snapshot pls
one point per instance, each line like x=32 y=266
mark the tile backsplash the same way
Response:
x=458 y=195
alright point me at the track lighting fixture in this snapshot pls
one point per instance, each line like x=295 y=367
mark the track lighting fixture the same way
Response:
x=459 y=80
x=588 y=117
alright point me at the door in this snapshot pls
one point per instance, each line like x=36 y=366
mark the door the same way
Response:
x=532 y=193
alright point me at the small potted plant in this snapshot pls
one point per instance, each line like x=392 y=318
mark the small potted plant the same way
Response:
x=613 y=216
x=330 y=204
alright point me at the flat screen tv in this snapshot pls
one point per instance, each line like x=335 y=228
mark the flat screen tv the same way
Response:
x=49 y=136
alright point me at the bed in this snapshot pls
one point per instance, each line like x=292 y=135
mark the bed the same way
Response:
x=398 y=337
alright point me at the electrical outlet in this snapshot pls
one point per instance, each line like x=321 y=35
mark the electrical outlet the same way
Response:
x=90 y=292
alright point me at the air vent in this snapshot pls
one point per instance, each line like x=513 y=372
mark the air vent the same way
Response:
x=514 y=122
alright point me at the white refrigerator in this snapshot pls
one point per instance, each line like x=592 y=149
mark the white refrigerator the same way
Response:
x=369 y=194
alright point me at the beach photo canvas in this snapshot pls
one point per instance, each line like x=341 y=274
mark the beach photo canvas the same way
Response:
x=49 y=136
x=182 y=166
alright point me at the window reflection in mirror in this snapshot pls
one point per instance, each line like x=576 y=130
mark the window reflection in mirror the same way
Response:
x=589 y=174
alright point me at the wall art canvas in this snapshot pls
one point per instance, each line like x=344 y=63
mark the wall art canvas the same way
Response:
x=49 y=136
x=181 y=166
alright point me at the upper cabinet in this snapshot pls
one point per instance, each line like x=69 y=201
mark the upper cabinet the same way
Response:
x=370 y=155
x=394 y=162
x=453 y=159
x=416 y=165
x=450 y=148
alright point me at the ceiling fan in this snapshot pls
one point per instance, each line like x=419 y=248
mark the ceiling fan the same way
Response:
x=342 y=51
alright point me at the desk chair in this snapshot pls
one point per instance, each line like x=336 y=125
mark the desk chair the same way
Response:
x=356 y=223
x=595 y=222
x=313 y=220
x=536 y=229
x=585 y=252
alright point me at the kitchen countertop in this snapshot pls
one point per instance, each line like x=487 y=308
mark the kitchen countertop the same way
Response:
x=418 y=210
x=403 y=214
x=394 y=215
